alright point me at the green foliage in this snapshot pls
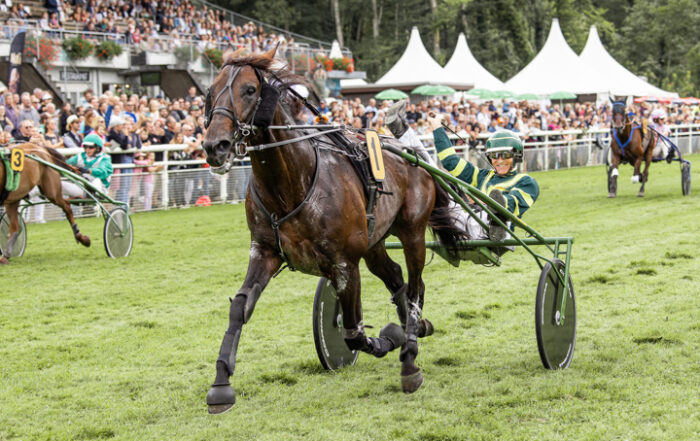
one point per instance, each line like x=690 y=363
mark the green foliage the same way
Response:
x=125 y=349
x=652 y=38
x=77 y=48
x=108 y=49
x=185 y=54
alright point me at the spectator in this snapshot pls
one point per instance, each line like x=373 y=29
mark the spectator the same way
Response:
x=119 y=136
x=72 y=138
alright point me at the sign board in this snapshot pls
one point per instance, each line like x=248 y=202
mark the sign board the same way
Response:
x=71 y=75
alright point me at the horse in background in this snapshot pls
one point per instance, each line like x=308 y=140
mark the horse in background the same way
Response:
x=306 y=207
x=629 y=144
x=49 y=182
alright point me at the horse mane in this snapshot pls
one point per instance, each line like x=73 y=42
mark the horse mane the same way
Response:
x=59 y=160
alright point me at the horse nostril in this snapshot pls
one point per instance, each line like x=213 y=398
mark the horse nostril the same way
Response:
x=222 y=148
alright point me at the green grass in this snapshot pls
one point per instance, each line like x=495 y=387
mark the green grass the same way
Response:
x=93 y=348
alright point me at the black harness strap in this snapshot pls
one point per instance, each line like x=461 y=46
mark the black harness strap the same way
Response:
x=275 y=221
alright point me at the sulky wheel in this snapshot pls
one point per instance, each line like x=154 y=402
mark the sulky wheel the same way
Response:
x=328 y=329
x=20 y=243
x=685 y=177
x=118 y=233
x=555 y=340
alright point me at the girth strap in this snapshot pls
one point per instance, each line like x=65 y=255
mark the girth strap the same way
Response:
x=276 y=222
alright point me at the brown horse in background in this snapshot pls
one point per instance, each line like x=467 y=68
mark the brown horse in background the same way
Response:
x=49 y=182
x=306 y=207
x=628 y=144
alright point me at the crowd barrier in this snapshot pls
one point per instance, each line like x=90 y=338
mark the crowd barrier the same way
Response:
x=182 y=184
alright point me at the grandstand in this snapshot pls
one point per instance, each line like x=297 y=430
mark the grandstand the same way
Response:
x=167 y=48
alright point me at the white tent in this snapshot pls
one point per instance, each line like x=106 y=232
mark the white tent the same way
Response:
x=464 y=67
x=335 y=50
x=618 y=80
x=556 y=68
x=416 y=67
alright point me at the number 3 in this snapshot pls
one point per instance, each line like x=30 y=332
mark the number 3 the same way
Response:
x=17 y=160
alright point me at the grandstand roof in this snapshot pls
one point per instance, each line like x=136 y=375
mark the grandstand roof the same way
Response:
x=463 y=66
x=556 y=68
x=619 y=80
x=416 y=67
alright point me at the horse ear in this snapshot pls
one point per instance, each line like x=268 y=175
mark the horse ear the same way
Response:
x=230 y=54
x=271 y=53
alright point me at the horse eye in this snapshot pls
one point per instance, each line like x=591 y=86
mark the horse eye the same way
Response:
x=251 y=90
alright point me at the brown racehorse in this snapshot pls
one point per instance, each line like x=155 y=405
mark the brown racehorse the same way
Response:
x=306 y=207
x=48 y=180
x=628 y=144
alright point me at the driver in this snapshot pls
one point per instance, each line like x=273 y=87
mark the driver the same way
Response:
x=93 y=164
x=517 y=192
x=658 y=123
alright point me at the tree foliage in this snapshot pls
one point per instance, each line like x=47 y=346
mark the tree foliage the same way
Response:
x=657 y=39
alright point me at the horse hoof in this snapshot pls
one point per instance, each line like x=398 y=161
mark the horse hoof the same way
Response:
x=4 y=261
x=220 y=398
x=411 y=383
x=611 y=195
x=217 y=409
x=640 y=194
x=83 y=240
x=425 y=328
x=393 y=333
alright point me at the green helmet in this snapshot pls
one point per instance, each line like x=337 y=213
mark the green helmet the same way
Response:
x=505 y=141
x=94 y=139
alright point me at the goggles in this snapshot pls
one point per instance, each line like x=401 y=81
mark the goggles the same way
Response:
x=500 y=155
x=89 y=145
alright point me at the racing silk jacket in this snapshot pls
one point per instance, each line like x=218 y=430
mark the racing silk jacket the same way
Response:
x=519 y=189
x=100 y=165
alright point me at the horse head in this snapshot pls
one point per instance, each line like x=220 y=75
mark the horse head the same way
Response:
x=619 y=115
x=240 y=105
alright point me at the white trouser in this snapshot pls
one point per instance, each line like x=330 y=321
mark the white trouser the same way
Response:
x=70 y=189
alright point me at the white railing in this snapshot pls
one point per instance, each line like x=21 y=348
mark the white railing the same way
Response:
x=174 y=186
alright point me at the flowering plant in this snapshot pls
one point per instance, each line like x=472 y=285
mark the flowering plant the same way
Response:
x=77 y=48
x=43 y=49
x=215 y=56
x=108 y=49
x=345 y=63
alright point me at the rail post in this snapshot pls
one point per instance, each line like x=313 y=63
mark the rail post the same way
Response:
x=164 y=181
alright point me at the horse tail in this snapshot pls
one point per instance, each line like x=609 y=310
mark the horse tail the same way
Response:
x=60 y=161
x=444 y=223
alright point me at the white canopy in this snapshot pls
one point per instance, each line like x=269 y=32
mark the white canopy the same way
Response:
x=465 y=68
x=618 y=80
x=556 y=68
x=335 y=50
x=416 y=66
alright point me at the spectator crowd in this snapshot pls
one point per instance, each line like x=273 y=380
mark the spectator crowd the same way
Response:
x=149 y=25
x=128 y=122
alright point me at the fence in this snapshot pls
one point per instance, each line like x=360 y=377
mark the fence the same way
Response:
x=181 y=183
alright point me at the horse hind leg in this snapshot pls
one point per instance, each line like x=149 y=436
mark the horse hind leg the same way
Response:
x=381 y=265
x=53 y=192
x=645 y=177
x=346 y=281
x=262 y=265
x=12 y=211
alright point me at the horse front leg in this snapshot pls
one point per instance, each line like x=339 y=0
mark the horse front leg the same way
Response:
x=12 y=211
x=263 y=263
x=346 y=280
x=612 y=176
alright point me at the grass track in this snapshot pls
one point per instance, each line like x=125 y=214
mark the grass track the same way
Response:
x=96 y=348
